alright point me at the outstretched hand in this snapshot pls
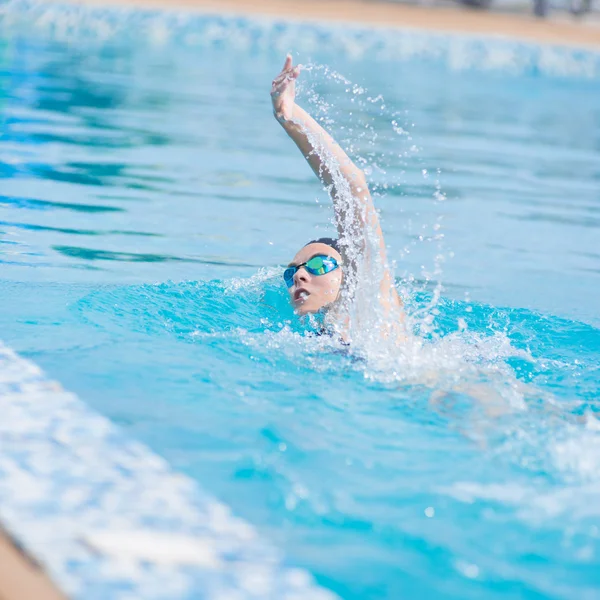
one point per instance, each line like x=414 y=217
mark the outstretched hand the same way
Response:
x=283 y=91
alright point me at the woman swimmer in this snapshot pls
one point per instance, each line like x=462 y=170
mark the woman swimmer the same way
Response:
x=325 y=270
x=325 y=273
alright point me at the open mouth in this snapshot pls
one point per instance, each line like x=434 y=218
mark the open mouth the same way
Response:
x=300 y=295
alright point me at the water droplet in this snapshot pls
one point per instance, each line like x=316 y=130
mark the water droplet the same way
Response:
x=469 y=570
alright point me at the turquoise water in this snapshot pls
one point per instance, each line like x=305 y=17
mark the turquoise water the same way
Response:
x=147 y=200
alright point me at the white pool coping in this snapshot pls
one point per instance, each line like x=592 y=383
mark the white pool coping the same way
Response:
x=108 y=518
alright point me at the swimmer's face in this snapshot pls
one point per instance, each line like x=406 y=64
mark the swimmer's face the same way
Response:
x=310 y=293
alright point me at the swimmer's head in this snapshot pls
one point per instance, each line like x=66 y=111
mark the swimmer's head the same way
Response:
x=310 y=293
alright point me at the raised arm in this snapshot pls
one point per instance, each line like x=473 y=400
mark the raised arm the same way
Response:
x=355 y=214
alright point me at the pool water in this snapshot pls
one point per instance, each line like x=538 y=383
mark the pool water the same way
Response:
x=148 y=200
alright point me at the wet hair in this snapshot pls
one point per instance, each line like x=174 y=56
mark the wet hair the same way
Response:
x=334 y=243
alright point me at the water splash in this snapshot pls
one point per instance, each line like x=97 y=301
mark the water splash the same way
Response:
x=362 y=313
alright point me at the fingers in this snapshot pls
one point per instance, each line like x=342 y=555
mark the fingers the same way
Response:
x=286 y=76
x=288 y=68
x=281 y=77
x=280 y=81
x=288 y=73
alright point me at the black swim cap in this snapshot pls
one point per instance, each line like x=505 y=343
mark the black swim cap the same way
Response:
x=334 y=243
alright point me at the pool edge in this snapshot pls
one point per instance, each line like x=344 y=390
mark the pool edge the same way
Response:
x=21 y=577
x=102 y=516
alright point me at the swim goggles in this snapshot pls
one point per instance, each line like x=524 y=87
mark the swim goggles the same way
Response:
x=317 y=265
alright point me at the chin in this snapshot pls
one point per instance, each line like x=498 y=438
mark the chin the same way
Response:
x=310 y=309
x=305 y=310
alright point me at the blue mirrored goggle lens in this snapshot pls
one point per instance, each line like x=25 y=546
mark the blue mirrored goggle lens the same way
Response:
x=317 y=265
x=288 y=275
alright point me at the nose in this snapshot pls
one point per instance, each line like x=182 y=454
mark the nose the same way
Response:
x=301 y=276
